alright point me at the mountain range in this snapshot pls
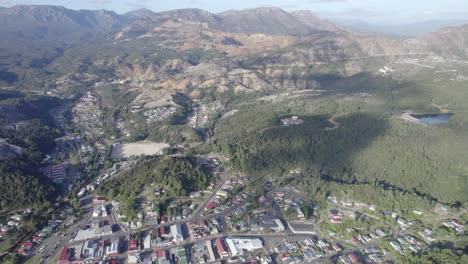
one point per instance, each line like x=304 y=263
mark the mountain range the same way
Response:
x=403 y=30
x=192 y=49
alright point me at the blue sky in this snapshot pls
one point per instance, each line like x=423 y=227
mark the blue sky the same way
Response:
x=390 y=11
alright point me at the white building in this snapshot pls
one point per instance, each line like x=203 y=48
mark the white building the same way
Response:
x=176 y=233
x=396 y=246
x=147 y=242
x=17 y=217
x=103 y=231
x=113 y=248
x=402 y=221
x=13 y=223
x=211 y=254
x=81 y=192
x=97 y=212
x=300 y=214
x=133 y=259
x=238 y=245
x=91 y=250
x=279 y=227
x=104 y=210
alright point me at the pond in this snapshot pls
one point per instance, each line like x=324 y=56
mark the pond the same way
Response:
x=433 y=118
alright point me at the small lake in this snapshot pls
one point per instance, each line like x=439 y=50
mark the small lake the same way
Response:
x=433 y=118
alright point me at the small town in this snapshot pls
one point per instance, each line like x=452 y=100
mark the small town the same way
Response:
x=224 y=226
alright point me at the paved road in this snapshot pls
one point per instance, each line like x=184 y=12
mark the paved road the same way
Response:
x=278 y=212
x=200 y=117
x=71 y=232
x=54 y=243
x=202 y=206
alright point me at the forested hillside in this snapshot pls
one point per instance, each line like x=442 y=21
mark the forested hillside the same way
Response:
x=22 y=186
x=371 y=153
x=178 y=176
x=25 y=123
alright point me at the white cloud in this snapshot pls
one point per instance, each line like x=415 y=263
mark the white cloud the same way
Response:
x=326 y=1
x=100 y=2
x=9 y=2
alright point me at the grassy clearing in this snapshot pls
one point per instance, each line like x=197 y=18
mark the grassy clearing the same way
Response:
x=5 y=244
x=36 y=260
x=56 y=258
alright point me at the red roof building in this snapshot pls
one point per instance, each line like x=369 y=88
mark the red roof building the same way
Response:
x=211 y=205
x=156 y=232
x=336 y=220
x=99 y=200
x=262 y=199
x=27 y=245
x=457 y=223
x=280 y=193
x=285 y=256
x=336 y=247
x=132 y=245
x=222 y=247
x=65 y=256
x=23 y=252
x=37 y=239
x=164 y=255
x=353 y=257
x=57 y=172
x=163 y=231
x=163 y=218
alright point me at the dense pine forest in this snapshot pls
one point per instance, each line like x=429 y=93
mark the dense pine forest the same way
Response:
x=178 y=177
x=25 y=123
x=372 y=151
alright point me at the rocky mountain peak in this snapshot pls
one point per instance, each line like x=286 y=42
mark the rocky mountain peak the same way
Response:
x=451 y=41
x=41 y=13
x=140 y=13
x=266 y=20
x=312 y=20
x=191 y=14
x=59 y=15
x=258 y=10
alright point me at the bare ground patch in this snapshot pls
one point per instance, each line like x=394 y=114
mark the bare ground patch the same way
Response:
x=123 y=151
